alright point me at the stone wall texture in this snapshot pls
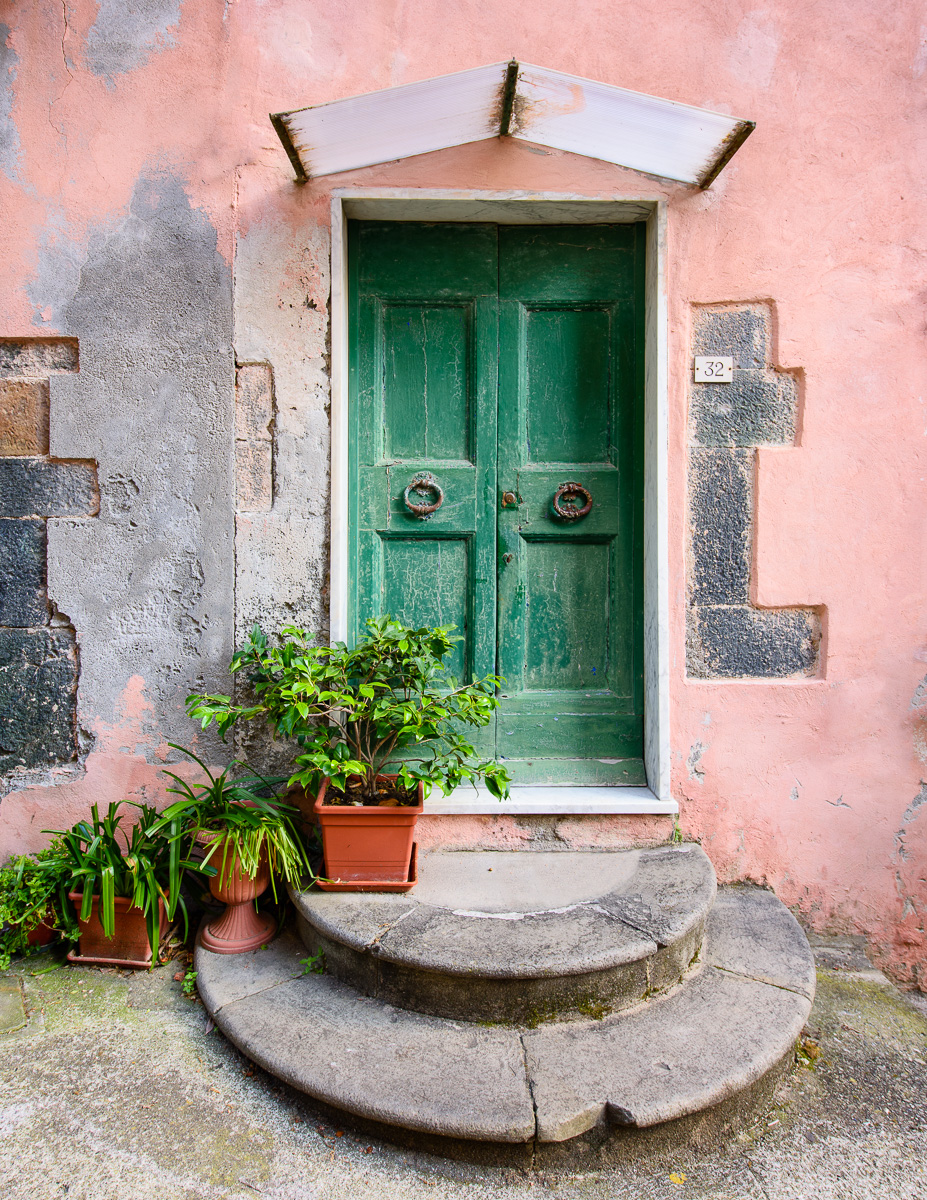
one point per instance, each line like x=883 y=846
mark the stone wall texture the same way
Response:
x=727 y=635
x=38 y=652
x=175 y=487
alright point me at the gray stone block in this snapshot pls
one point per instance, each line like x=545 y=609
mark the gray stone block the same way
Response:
x=739 y=333
x=38 y=682
x=34 y=487
x=721 y=517
x=23 y=595
x=751 y=933
x=740 y=642
x=355 y=919
x=757 y=409
x=673 y=1057
x=34 y=358
x=670 y=895
x=682 y=1069
x=381 y=1063
x=586 y=937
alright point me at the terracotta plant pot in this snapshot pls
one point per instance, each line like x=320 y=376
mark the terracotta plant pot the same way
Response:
x=365 y=844
x=129 y=945
x=42 y=934
x=241 y=927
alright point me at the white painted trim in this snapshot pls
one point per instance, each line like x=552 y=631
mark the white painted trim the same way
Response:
x=411 y=204
x=656 y=514
x=340 y=367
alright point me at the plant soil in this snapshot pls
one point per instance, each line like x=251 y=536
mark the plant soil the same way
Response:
x=390 y=794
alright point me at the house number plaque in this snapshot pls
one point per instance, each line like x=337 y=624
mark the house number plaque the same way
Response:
x=714 y=370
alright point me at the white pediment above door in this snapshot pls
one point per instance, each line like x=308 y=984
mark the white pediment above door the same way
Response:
x=532 y=104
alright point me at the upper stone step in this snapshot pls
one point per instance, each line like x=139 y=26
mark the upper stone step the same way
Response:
x=523 y=937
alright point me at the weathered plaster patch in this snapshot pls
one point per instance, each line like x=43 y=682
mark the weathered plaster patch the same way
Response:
x=282 y=440
x=254 y=437
x=126 y=33
x=753 y=50
x=907 y=817
x=9 y=135
x=57 y=270
x=149 y=585
x=694 y=762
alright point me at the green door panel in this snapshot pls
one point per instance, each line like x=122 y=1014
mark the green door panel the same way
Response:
x=507 y=359
x=425 y=381
x=569 y=592
x=424 y=352
x=566 y=383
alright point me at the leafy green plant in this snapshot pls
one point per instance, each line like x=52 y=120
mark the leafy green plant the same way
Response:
x=233 y=820
x=313 y=964
x=188 y=984
x=386 y=706
x=31 y=892
x=145 y=864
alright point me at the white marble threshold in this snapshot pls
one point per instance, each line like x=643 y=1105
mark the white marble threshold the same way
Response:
x=551 y=800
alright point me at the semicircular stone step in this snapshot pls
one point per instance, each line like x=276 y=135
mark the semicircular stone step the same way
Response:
x=524 y=937
x=682 y=1068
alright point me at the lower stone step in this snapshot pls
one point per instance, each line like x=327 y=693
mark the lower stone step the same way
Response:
x=711 y=1048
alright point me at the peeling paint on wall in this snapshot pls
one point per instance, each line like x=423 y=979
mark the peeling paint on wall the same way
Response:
x=9 y=134
x=126 y=34
x=150 y=585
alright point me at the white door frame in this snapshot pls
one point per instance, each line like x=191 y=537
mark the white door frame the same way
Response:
x=534 y=208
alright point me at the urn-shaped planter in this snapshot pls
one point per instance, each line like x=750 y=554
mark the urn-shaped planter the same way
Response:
x=128 y=947
x=366 y=845
x=241 y=927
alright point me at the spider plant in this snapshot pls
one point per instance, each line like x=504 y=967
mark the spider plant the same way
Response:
x=100 y=858
x=231 y=813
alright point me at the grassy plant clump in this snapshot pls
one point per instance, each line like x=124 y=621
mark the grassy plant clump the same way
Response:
x=234 y=820
x=144 y=864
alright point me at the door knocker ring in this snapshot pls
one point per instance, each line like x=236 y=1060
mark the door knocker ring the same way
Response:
x=571 y=489
x=424 y=482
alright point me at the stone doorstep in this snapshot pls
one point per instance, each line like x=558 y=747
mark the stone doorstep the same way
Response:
x=520 y=936
x=709 y=1040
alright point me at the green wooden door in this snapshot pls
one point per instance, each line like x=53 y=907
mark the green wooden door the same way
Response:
x=503 y=362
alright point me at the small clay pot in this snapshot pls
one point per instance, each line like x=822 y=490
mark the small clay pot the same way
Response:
x=241 y=927
x=129 y=945
x=42 y=934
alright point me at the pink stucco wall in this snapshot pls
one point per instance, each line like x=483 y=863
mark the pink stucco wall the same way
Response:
x=812 y=787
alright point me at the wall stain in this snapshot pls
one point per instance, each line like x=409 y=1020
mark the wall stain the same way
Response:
x=124 y=36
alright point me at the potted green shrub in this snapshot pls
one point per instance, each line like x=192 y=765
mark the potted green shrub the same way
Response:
x=32 y=902
x=247 y=839
x=376 y=726
x=125 y=885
